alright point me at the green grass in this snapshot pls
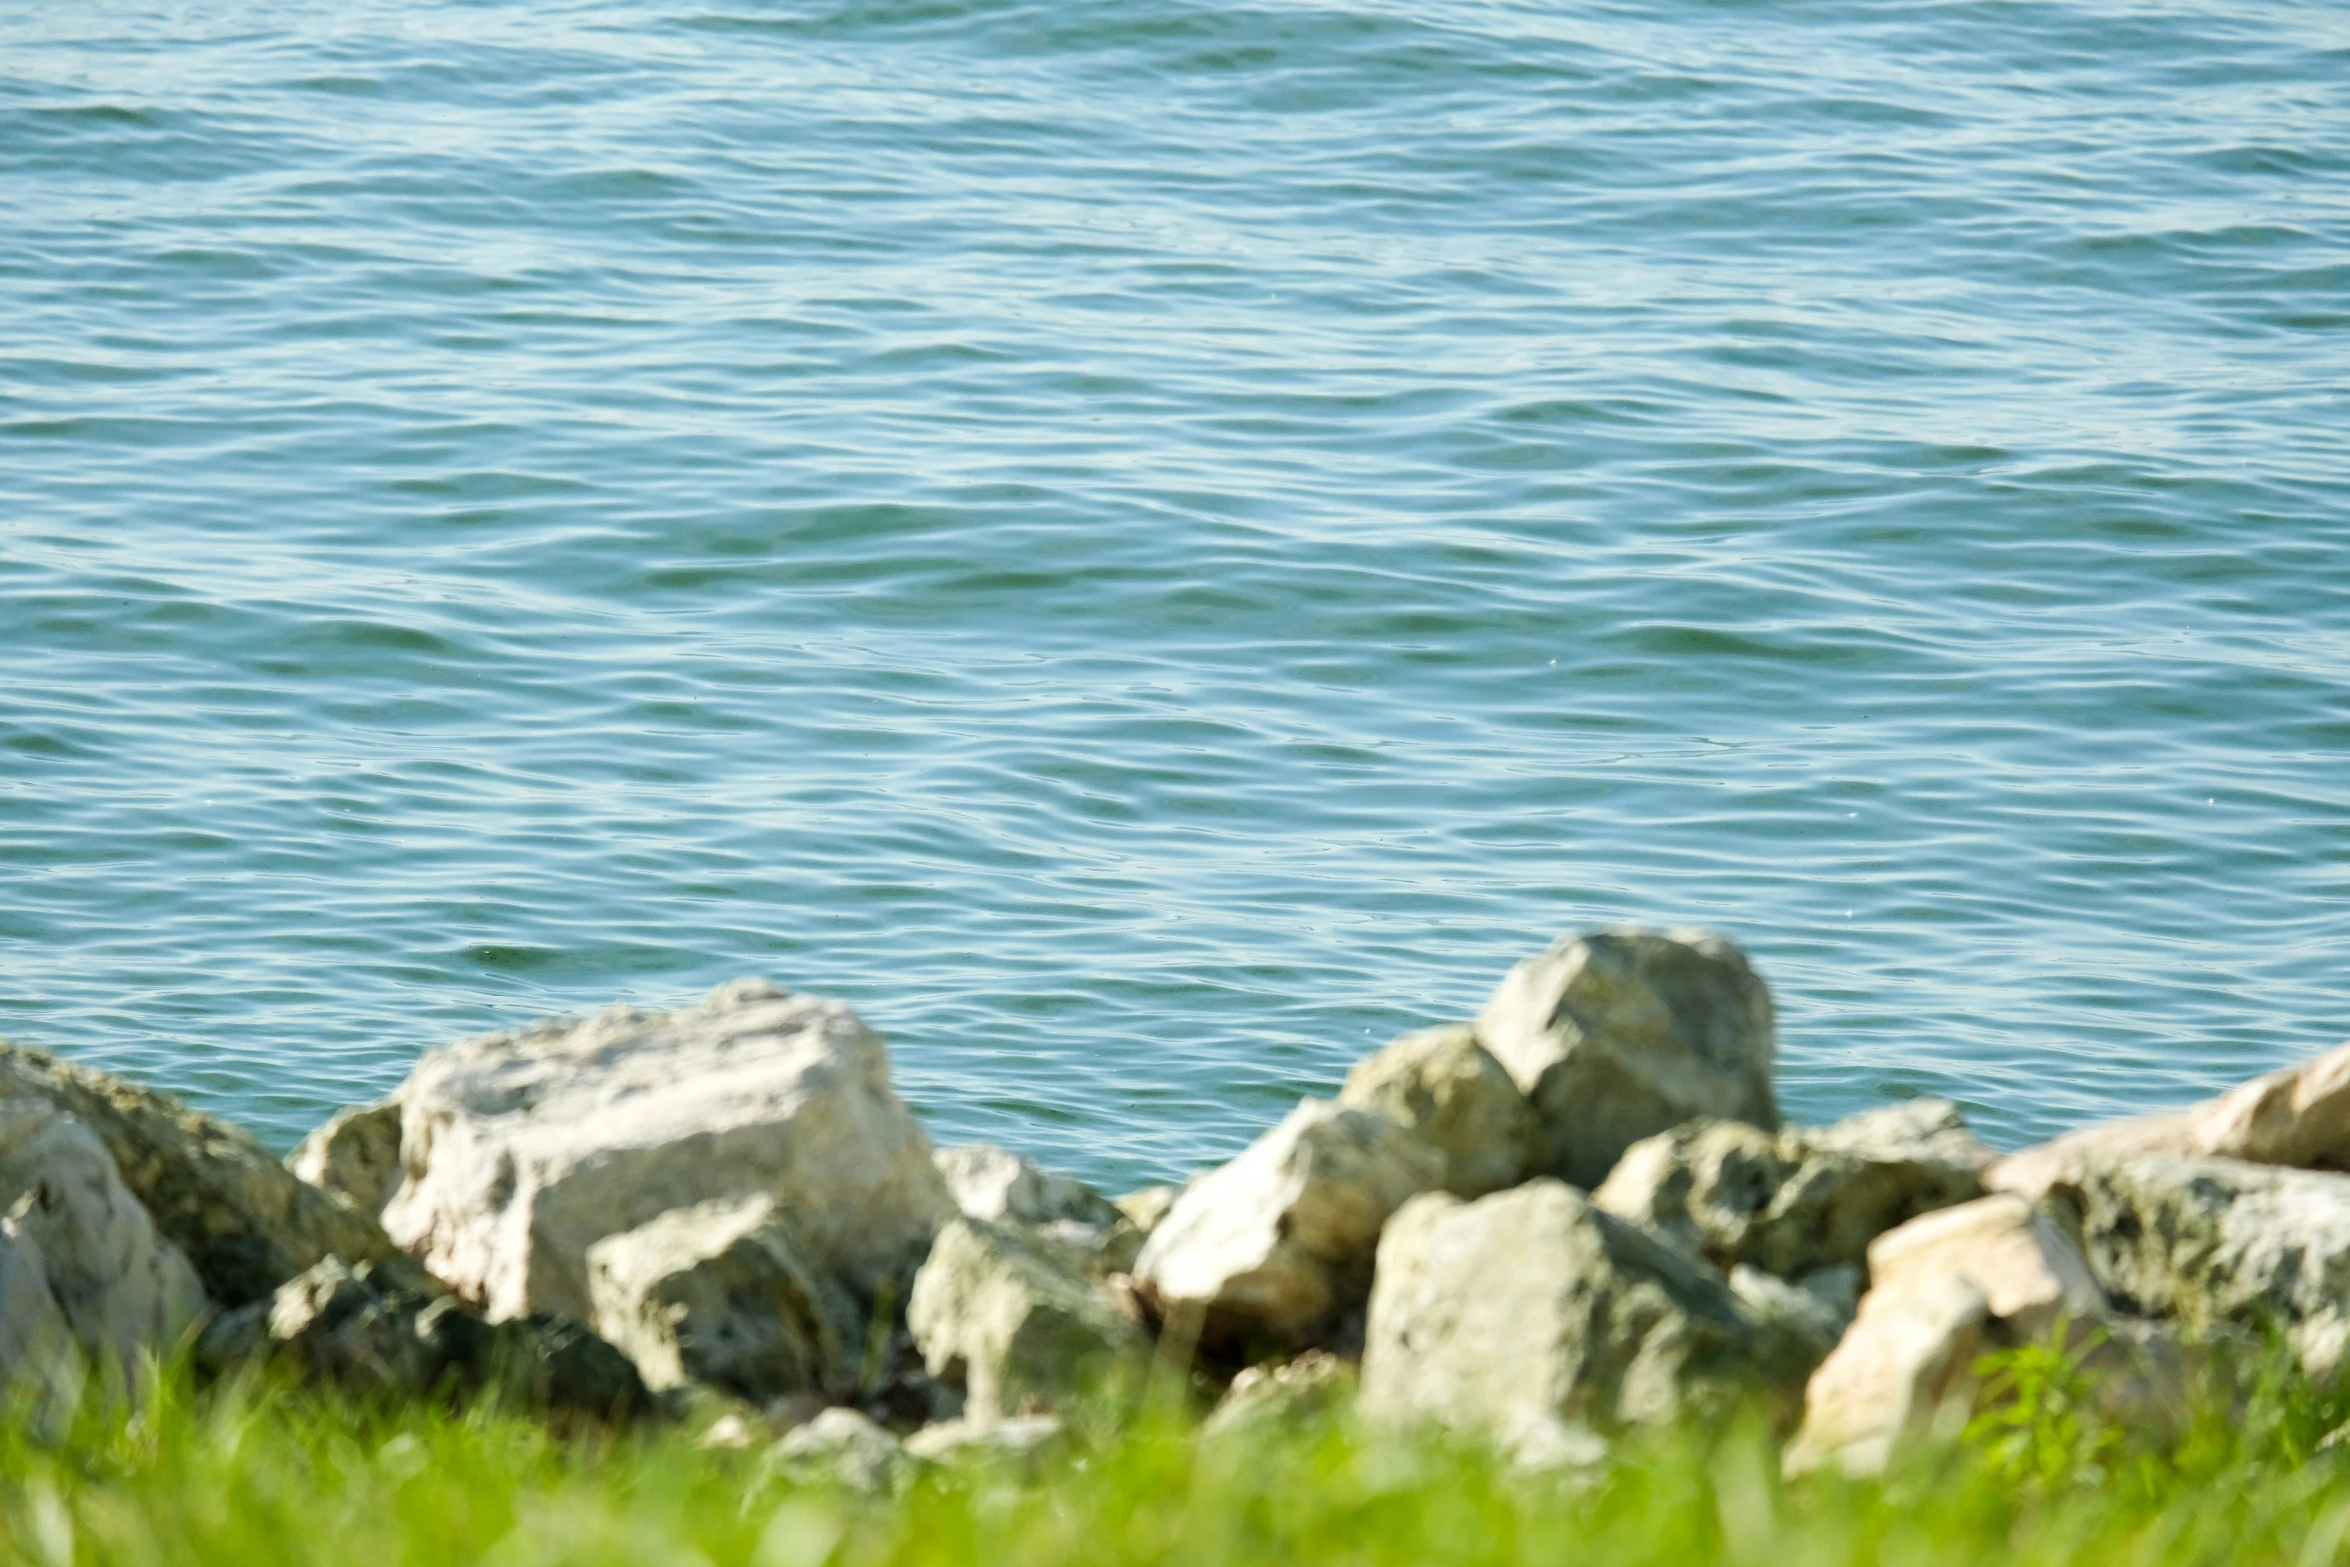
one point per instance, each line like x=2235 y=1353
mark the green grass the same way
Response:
x=253 y=1474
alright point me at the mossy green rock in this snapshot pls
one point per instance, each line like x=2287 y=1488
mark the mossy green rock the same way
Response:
x=246 y=1222
x=1795 y=1201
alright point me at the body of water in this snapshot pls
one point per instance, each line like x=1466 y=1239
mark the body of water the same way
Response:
x=1151 y=546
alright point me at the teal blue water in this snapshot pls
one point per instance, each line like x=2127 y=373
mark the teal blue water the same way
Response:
x=1151 y=546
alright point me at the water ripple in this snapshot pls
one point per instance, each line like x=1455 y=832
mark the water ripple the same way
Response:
x=1152 y=549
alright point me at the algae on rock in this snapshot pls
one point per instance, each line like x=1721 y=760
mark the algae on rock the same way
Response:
x=245 y=1222
x=1801 y=1199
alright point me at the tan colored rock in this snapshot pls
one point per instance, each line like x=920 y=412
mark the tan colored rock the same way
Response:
x=124 y=1291
x=1011 y=1320
x=355 y=1155
x=2298 y=1116
x=524 y=1149
x=2030 y=1273
x=1900 y=1374
x=1448 y=1088
x=1270 y=1250
x=2220 y=1244
x=1144 y=1208
x=1801 y=1199
x=244 y=1221
x=1533 y=1309
x=1620 y=1034
x=718 y=1294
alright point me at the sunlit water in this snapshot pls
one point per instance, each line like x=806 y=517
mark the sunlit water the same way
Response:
x=1151 y=546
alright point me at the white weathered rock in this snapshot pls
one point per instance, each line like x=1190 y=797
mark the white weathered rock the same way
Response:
x=1270 y=1249
x=995 y=1184
x=1020 y=1443
x=717 y=1293
x=1542 y=1443
x=842 y=1447
x=2214 y=1244
x=524 y=1149
x=244 y=1220
x=355 y=1155
x=2298 y=1116
x=124 y=1290
x=1900 y=1374
x=1316 y=1383
x=1800 y=1199
x=1448 y=1088
x=998 y=1186
x=1010 y=1319
x=1532 y=1305
x=1620 y=1034
x=2030 y=1272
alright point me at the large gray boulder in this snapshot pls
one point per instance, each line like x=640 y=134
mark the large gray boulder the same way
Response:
x=1448 y=1088
x=718 y=1294
x=1800 y=1199
x=244 y=1221
x=123 y=1291
x=1533 y=1309
x=355 y=1155
x=2219 y=1244
x=41 y=1362
x=1620 y=1034
x=1006 y=1316
x=2298 y=1116
x=524 y=1149
x=1269 y=1251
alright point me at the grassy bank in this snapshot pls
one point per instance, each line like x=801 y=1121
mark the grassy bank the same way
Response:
x=258 y=1475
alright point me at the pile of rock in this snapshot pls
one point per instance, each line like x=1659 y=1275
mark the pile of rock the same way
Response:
x=1575 y=1214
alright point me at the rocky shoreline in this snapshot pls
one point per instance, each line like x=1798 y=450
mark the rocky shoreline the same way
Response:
x=1576 y=1215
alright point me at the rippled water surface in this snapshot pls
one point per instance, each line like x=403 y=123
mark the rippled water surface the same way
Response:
x=1150 y=546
